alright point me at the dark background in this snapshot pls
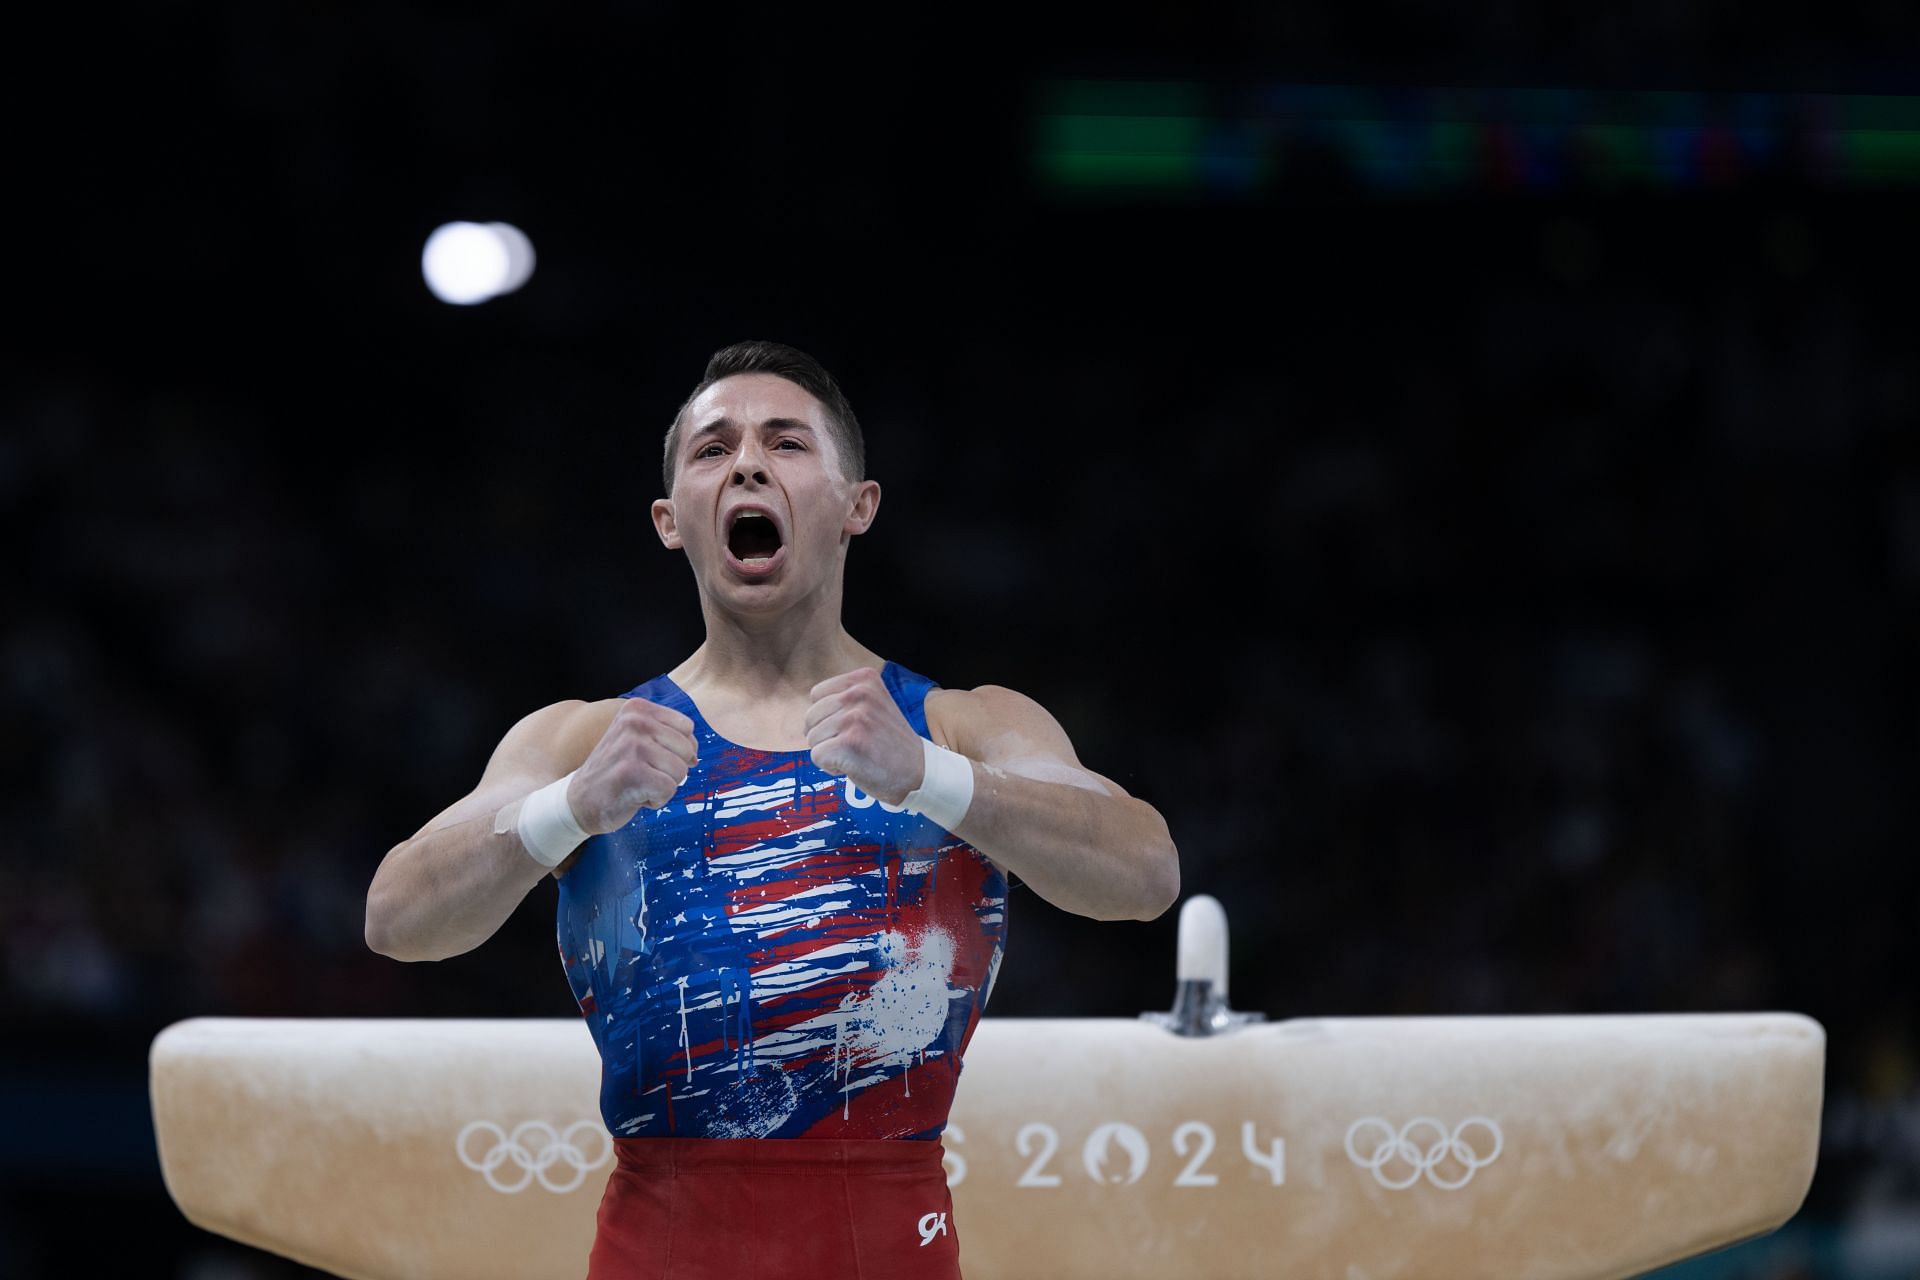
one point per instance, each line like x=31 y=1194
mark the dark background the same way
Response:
x=1502 y=575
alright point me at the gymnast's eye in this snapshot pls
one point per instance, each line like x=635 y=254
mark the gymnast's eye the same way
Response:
x=704 y=451
x=790 y=441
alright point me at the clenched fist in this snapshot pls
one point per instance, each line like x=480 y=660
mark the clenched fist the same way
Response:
x=639 y=762
x=855 y=728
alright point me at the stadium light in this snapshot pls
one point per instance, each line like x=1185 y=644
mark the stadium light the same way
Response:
x=469 y=262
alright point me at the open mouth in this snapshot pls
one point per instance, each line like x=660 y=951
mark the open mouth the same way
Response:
x=753 y=539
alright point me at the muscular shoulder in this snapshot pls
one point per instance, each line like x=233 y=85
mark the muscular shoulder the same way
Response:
x=968 y=711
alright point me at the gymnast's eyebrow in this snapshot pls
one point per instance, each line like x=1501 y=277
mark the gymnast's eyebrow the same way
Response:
x=721 y=424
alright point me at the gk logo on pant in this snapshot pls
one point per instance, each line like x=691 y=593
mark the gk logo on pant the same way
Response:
x=931 y=1225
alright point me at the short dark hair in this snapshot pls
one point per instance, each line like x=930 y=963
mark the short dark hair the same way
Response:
x=796 y=367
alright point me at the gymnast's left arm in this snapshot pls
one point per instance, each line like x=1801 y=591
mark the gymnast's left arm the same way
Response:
x=1079 y=839
x=1076 y=837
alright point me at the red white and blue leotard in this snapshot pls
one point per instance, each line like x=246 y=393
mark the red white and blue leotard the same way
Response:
x=774 y=954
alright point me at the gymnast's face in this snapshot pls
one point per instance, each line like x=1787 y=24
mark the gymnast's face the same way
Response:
x=760 y=502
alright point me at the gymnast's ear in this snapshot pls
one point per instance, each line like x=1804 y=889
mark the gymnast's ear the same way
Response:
x=664 y=523
x=864 y=505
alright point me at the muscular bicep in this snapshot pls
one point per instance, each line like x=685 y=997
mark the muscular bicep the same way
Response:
x=1011 y=732
x=542 y=746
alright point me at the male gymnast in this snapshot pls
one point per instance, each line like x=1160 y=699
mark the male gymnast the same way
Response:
x=782 y=871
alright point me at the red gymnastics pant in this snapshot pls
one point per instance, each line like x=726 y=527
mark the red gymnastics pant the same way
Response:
x=775 y=1209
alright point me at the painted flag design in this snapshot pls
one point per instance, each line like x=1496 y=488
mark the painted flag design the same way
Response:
x=773 y=954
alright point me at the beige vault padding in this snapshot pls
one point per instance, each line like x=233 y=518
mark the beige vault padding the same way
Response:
x=1330 y=1149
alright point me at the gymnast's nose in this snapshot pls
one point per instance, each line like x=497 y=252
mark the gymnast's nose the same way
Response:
x=749 y=462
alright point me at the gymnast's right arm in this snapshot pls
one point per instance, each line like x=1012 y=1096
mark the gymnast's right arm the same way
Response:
x=450 y=886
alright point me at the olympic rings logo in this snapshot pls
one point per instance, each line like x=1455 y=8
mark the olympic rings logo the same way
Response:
x=1400 y=1149
x=533 y=1147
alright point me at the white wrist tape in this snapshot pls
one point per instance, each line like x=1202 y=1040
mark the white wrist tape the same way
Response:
x=947 y=789
x=546 y=824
